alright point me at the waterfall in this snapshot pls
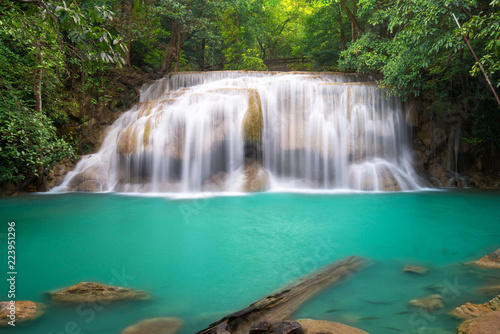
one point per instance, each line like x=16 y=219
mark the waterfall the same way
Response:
x=218 y=131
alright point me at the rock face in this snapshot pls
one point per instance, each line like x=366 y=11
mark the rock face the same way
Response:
x=444 y=156
x=484 y=324
x=490 y=261
x=91 y=179
x=256 y=177
x=323 y=327
x=59 y=172
x=92 y=292
x=25 y=311
x=155 y=326
x=429 y=303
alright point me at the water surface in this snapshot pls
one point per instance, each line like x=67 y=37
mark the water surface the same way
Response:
x=206 y=257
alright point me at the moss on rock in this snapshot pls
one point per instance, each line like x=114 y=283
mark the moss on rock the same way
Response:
x=253 y=123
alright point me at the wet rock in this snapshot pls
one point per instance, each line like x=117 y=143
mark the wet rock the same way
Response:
x=281 y=327
x=253 y=122
x=92 y=292
x=221 y=329
x=286 y=327
x=90 y=179
x=429 y=303
x=155 y=326
x=25 y=310
x=260 y=328
x=487 y=323
x=58 y=173
x=256 y=177
x=7 y=189
x=415 y=269
x=470 y=311
x=490 y=261
x=323 y=327
x=217 y=182
x=89 y=186
x=439 y=136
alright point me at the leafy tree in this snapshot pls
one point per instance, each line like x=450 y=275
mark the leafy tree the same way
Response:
x=39 y=44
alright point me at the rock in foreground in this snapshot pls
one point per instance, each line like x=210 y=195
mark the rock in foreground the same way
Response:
x=92 y=292
x=321 y=326
x=490 y=261
x=256 y=178
x=487 y=323
x=281 y=327
x=155 y=326
x=25 y=310
x=470 y=311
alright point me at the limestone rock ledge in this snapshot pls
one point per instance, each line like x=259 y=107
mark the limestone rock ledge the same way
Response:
x=321 y=326
x=256 y=178
x=490 y=261
x=484 y=324
x=25 y=310
x=92 y=292
x=482 y=318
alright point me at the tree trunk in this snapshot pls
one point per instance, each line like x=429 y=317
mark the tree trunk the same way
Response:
x=37 y=89
x=356 y=26
x=177 y=53
x=281 y=305
x=201 y=62
x=38 y=82
x=171 y=50
x=343 y=40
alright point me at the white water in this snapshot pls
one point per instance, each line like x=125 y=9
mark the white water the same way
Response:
x=321 y=131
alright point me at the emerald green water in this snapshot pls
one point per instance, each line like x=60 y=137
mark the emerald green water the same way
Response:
x=204 y=258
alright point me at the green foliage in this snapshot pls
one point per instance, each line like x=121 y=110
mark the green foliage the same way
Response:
x=46 y=45
x=368 y=54
x=28 y=143
x=238 y=55
x=485 y=29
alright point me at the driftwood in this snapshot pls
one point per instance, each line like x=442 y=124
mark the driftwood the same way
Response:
x=280 y=306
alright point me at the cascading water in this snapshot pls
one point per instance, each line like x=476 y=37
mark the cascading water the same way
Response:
x=208 y=131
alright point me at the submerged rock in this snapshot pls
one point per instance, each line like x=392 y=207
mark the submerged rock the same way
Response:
x=321 y=326
x=25 y=310
x=484 y=324
x=415 y=269
x=155 y=326
x=92 y=292
x=470 y=311
x=490 y=261
x=429 y=303
x=491 y=290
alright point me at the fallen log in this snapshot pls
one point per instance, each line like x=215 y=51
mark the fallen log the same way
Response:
x=281 y=305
